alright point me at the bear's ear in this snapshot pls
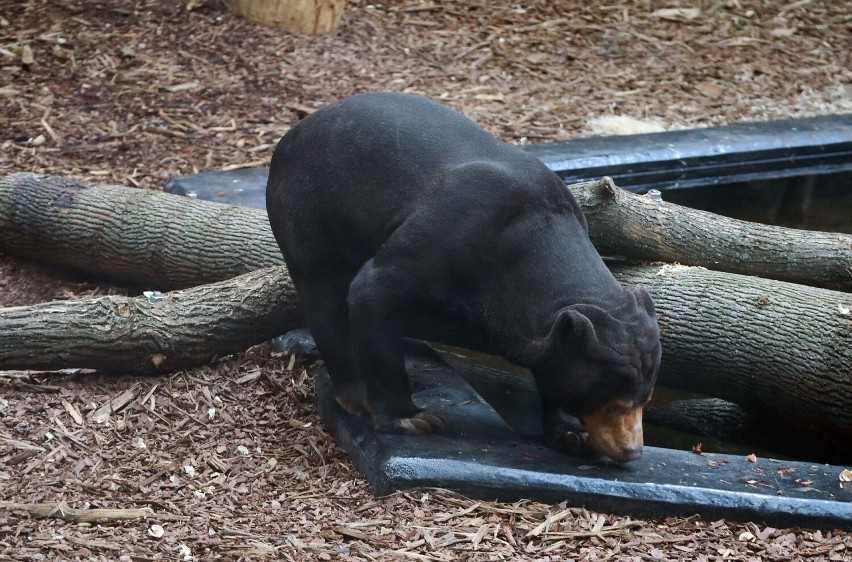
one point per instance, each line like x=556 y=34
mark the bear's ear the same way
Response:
x=643 y=297
x=577 y=327
x=581 y=327
x=570 y=329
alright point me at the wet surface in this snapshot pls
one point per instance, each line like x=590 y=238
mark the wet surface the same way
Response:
x=482 y=456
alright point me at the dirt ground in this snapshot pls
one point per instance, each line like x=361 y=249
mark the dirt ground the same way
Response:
x=230 y=457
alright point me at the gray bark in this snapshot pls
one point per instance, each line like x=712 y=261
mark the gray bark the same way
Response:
x=143 y=335
x=710 y=417
x=779 y=350
x=129 y=235
x=641 y=228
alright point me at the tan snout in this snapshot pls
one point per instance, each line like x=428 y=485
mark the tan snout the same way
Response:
x=615 y=430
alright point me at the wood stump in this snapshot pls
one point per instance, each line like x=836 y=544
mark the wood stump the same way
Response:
x=302 y=16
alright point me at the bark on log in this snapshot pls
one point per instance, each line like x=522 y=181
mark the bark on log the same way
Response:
x=710 y=417
x=137 y=236
x=642 y=228
x=715 y=419
x=780 y=350
x=166 y=241
x=150 y=334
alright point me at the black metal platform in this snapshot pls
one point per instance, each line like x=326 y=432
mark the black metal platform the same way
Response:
x=746 y=152
x=481 y=456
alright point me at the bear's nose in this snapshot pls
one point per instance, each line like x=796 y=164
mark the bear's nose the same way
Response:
x=629 y=454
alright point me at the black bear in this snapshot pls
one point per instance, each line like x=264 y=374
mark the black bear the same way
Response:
x=399 y=217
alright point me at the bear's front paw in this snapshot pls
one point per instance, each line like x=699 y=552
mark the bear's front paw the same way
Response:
x=418 y=424
x=574 y=443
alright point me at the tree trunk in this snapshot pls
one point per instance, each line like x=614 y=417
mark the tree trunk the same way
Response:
x=152 y=333
x=717 y=337
x=642 y=228
x=710 y=417
x=166 y=241
x=302 y=16
x=780 y=350
x=129 y=235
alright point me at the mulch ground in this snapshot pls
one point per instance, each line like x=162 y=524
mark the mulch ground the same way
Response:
x=230 y=459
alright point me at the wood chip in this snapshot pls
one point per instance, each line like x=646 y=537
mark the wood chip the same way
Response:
x=114 y=405
x=73 y=412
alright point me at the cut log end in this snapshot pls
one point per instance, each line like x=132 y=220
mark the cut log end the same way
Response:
x=302 y=16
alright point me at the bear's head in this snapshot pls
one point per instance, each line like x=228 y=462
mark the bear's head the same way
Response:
x=599 y=363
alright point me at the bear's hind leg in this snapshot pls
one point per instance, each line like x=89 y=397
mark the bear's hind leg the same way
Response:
x=328 y=319
x=377 y=299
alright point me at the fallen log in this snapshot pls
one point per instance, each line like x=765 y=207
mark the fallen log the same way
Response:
x=302 y=16
x=709 y=417
x=644 y=228
x=781 y=351
x=165 y=241
x=718 y=336
x=135 y=236
x=152 y=333
x=714 y=422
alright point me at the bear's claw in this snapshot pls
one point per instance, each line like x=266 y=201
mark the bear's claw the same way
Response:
x=419 y=424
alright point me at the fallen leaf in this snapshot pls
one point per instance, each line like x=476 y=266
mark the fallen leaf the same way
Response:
x=709 y=89
x=676 y=14
x=781 y=32
x=27 y=55
x=185 y=553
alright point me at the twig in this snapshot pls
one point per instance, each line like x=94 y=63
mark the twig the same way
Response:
x=62 y=511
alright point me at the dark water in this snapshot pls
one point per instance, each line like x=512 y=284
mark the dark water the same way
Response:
x=511 y=391
x=822 y=202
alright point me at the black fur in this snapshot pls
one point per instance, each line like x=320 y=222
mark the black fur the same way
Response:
x=399 y=217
